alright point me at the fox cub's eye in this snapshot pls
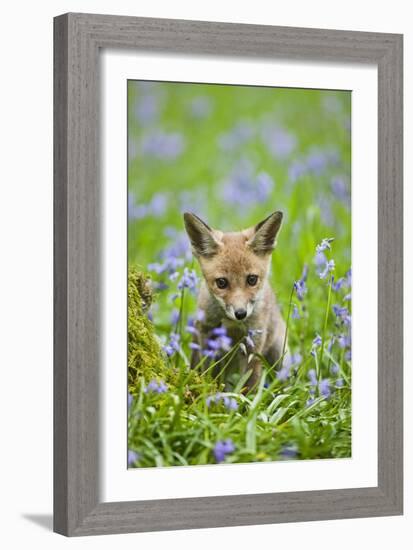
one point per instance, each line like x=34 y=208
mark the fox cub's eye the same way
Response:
x=221 y=282
x=252 y=280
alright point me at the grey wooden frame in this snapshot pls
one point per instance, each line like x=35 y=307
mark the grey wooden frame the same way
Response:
x=78 y=39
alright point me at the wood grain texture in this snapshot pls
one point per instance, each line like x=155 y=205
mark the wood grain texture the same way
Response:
x=78 y=39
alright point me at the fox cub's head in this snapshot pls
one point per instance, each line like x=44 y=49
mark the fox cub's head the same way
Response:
x=235 y=265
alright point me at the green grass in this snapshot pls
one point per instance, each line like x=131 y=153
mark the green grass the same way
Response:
x=287 y=417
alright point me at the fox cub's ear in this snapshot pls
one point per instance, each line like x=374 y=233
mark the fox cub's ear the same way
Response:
x=263 y=240
x=201 y=236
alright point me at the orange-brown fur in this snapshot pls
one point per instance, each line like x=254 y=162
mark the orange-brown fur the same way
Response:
x=234 y=256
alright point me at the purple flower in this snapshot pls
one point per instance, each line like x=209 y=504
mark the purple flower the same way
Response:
x=313 y=377
x=192 y=330
x=155 y=208
x=301 y=289
x=173 y=345
x=175 y=316
x=162 y=145
x=344 y=341
x=288 y=451
x=240 y=134
x=243 y=188
x=329 y=267
x=324 y=388
x=296 y=313
x=339 y=383
x=279 y=142
x=342 y=314
x=340 y=188
x=289 y=362
x=300 y=286
x=194 y=345
x=320 y=258
x=310 y=401
x=217 y=341
x=324 y=245
x=147 y=109
x=334 y=369
x=219 y=331
x=133 y=457
x=317 y=341
x=284 y=373
x=338 y=285
x=229 y=403
x=189 y=280
x=222 y=449
x=156 y=387
x=296 y=170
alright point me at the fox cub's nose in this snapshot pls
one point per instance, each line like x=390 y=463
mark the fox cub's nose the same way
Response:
x=240 y=314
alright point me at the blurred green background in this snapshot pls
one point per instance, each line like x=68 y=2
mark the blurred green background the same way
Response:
x=233 y=155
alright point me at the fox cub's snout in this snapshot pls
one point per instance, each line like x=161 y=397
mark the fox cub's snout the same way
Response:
x=235 y=266
x=236 y=293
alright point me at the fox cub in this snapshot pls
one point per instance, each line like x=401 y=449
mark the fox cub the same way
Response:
x=235 y=291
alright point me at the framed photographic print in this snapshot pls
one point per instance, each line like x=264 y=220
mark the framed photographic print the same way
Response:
x=228 y=274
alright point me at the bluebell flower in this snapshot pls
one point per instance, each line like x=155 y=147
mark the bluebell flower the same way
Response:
x=317 y=341
x=156 y=387
x=194 y=345
x=243 y=188
x=300 y=286
x=320 y=258
x=133 y=457
x=324 y=245
x=279 y=142
x=339 y=383
x=324 y=388
x=340 y=188
x=296 y=170
x=189 y=280
x=290 y=361
x=288 y=451
x=339 y=284
x=219 y=331
x=334 y=369
x=344 y=341
x=173 y=344
x=240 y=134
x=162 y=145
x=229 y=403
x=222 y=449
x=175 y=315
x=329 y=267
x=147 y=109
x=296 y=313
x=312 y=375
x=218 y=341
x=192 y=329
x=310 y=401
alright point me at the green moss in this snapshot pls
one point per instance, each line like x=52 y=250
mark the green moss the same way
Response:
x=145 y=357
x=146 y=361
